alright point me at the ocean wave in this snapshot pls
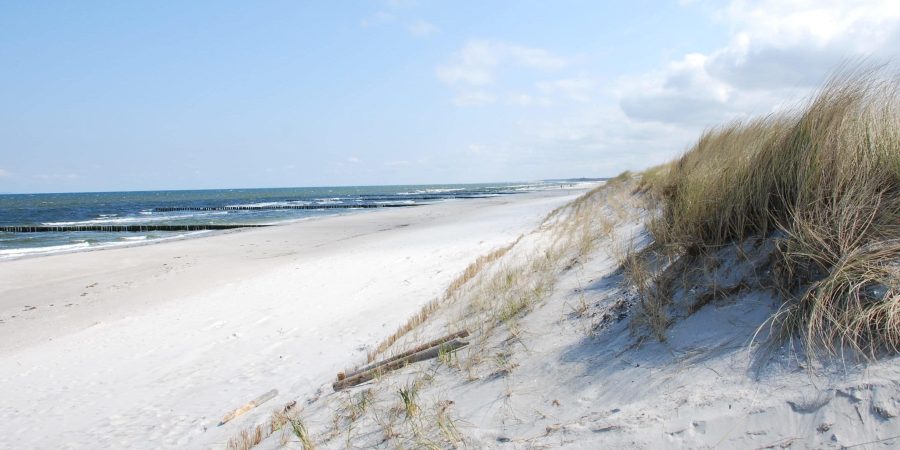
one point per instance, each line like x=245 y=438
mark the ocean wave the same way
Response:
x=84 y=245
x=395 y=202
x=432 y=191
x=330 y=201
x=123 y=220
x=14 y=252
x=269 y=204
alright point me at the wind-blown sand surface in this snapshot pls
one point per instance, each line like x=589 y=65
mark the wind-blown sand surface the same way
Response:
x=560 y=356
x=148 y=347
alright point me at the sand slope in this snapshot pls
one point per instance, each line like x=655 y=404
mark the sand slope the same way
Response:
x=577 y=370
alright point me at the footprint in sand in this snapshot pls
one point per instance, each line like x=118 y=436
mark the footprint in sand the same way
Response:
x=261 y=320
x=214 y=325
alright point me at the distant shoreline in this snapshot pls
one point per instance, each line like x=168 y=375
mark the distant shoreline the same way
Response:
x=169 y=215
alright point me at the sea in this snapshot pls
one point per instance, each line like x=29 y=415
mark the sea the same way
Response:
x=93 y=214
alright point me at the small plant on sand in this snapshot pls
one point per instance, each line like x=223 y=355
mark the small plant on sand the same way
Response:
x=445 y=357
x=300 y=431
x=638 y=272
x=249 y=438
x=446 y=423
x=409 y=396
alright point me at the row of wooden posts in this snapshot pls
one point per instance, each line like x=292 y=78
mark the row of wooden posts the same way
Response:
x=122 y=228
x=276 y=207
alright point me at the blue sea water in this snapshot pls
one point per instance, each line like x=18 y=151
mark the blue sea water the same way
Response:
x=143 y=208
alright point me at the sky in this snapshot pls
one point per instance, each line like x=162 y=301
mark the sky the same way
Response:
x=146 y=95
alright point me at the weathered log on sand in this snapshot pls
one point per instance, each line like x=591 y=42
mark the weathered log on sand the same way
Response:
x=252 y=404
x=423 y=355
x=425 y=346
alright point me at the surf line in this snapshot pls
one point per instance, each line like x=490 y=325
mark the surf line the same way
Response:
x=124 y=228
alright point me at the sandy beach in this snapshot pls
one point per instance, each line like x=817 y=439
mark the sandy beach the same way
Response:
x=405 y=225
x=148 y=346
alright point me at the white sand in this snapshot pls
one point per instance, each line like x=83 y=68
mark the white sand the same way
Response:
x=562 y=376
x=147 y=347
x=575 y=387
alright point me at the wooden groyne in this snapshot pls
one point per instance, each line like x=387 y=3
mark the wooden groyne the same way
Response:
x=122 y=228
x=272 y=207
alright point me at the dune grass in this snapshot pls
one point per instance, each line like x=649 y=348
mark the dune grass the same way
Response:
x=824 y=180
x=426 y=310
x=253 y=436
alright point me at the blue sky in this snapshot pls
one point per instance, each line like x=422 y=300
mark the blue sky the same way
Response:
x=139 y=95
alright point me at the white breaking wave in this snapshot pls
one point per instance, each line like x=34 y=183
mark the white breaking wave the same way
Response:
x=395 y=202
x=82 y=245
x=432 y=191
x=121 y=220
x=14 y=252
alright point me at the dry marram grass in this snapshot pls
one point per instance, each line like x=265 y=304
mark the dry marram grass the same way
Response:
x=824 y=180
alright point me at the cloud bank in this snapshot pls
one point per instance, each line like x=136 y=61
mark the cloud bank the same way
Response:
x=777 y=51
x=776 y=54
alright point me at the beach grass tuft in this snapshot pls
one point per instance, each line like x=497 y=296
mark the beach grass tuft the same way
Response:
x=301 y=433
x=823 y=180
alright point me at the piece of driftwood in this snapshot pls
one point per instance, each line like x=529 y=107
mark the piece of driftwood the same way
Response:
x=429 y=353
x=417 y=349
x=252 y=404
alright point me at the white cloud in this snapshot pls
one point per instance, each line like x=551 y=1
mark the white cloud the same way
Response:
x=778 y=52
x=524 y=99
x=473 y=97
x=579 y=89
x=476 y=66
x=595 y=141
x=520 y=99
x=422 y=28
x=605 y=132
x=682 y=93
x=793 y=43
x=5 y=173
x=479 y=60
x=353 y=160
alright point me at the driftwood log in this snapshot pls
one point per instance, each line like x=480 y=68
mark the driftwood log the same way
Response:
x=417 y=349
x=398 y=363
x=247 y=407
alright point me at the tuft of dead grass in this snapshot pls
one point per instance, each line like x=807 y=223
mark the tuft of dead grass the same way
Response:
x=251 y=437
